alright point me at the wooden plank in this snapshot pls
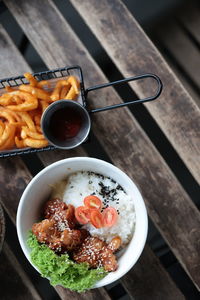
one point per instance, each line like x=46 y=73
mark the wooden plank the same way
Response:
x=129 y=147
x=56 y=155
x=138 y=282
x=14 y=175
x=2 y=227
x=14 y=282
x=187 y=84
x=176 y=41
x=9 y=57
x=52 y=156
x=133 y=53
x=95 y=294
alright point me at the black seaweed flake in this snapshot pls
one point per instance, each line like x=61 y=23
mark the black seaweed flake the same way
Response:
x=90 y=181
x=119 y=188
x=71 y=186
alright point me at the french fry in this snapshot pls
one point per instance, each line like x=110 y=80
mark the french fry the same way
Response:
x=21 y=109
x=10 y=89
x=31 y=79
x=64 y=91
x=57 y=90
x=27 y=119
x=75 y=83
x=37 y=119
x=19 y=143
x=42 y=83
x=36 y=92
x=44 y=105
x=7 y=115
x=30 y=102
x=2 y=127
x=71 y=95
x=33 y=134
x=30 y=142
x=38 y=128
x=8 y=132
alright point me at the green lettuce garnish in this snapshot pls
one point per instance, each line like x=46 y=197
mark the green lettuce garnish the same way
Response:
x=61 y=270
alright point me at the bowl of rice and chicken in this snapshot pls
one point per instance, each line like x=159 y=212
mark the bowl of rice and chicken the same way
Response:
x=82 y=223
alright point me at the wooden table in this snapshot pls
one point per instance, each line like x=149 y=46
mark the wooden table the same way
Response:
x=117 y=135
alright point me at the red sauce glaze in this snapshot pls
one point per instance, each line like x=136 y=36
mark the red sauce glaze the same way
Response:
x=65 y=124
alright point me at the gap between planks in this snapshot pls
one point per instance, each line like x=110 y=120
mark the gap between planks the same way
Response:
x=13 y=273
x=167 y=206
x=126 y=43
x=53 y=152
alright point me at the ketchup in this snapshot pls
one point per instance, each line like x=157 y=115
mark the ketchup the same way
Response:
x=65 y=123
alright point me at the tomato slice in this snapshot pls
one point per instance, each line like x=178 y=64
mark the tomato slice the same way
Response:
x=82 y=214
x=92 y=202
x=96 y=218
x=110 y=216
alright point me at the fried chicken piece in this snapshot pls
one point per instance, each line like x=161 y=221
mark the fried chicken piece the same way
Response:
x=61 y=212
x=53 y=206
x=46 y=232
x=97 y=253
x=71 y=239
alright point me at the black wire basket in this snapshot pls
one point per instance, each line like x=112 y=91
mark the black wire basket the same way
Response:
x=45 y=75
x=55 y=74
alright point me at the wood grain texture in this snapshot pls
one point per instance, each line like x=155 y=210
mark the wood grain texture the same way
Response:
x=14 y=282
x=138 y=282
x=10 y=57
x=184 y=80
x=15 y=167
x=133 y=53
x=125 y=142
x=52 y=156
x=14 y=176
x=95 y=294
x=2 y=227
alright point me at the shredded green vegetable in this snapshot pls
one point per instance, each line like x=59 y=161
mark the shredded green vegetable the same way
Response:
x=59 y=269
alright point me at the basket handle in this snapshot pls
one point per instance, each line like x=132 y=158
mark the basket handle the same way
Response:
x=134 y=78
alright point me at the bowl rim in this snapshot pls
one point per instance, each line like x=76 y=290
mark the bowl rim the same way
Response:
x=143 y=237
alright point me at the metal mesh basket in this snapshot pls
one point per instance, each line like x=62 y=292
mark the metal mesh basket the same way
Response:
x=51 y=75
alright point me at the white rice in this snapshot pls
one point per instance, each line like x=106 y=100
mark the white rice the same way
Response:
x=81 y=184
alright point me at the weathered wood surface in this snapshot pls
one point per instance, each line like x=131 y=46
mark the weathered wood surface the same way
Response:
x=183 y=50
x=14 y=176
x=188 y=85
x=139 y=283
x=133 y=53
x=95 y=294
x=2 y=227
x=14 y=281
x=124 y=141
x=22 y=174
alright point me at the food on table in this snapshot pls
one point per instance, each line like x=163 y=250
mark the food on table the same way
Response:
x=61 y=269
x=21 y=108
x=87 y=220
x=110 y=193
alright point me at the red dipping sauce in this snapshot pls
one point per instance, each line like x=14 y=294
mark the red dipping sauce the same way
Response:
x=65 y=124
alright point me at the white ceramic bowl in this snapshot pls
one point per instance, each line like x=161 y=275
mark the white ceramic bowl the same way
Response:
x=38 y=191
